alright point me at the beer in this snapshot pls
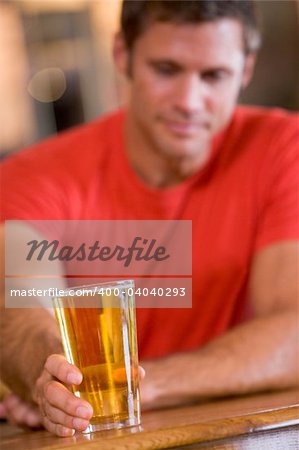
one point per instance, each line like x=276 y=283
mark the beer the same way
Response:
x=101 y=342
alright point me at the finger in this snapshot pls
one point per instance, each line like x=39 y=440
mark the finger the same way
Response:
x=30 y=419
x=141 y=372
x=120 y=374
x=11 y=401
x=33 y=419
x=17 y=413
x=55 y=415
x=20 y=412
x=60 y=397
x=61 y=369
x=58 y=429
x=3 y=411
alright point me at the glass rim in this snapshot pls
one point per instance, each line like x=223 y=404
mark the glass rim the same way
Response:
x=105 y=285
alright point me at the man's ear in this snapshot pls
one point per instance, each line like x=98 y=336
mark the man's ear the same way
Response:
x=121 y=55
x=248 y=69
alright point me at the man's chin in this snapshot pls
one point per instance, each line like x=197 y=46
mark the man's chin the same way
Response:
x=186 y=154
x=187 y=148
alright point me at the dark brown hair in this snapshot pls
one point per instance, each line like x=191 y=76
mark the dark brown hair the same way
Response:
x=137 y=15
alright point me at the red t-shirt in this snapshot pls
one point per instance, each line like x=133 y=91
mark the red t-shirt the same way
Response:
x=243 y=199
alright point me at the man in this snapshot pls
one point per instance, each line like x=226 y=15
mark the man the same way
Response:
x=182 y=150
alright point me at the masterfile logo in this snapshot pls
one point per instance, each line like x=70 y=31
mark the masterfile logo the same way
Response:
x=140 y=250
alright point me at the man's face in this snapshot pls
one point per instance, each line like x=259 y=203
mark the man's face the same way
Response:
x=184 y=84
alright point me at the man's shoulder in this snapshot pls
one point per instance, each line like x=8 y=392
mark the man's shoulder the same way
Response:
x=266 y=137
x=266 y=121
x=84 y=142
x=261 y=134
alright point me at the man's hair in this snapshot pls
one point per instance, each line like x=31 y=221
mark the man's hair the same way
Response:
x=137 y=15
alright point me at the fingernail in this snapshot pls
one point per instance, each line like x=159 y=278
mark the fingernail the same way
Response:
x=74 y=378
x=80 y=424
x=68 y=432
x=84 y=412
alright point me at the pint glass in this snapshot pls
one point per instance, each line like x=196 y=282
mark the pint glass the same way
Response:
x=98 y=330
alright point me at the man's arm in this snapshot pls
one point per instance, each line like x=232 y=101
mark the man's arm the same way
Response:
x=27 y=335
x=258 y=355
x=32 y=366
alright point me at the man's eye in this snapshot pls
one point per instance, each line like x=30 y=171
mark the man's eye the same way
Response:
x=165 y=69
x=215 y=75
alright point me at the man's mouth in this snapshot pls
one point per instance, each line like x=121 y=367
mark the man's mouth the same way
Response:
x=185 y=128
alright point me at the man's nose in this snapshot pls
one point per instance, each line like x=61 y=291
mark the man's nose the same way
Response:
x=190 y=95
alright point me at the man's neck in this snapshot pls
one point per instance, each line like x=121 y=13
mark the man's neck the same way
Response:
x=157 y=170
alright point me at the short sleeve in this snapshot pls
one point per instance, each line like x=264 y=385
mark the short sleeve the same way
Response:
x=279 y=188
x=31 y=188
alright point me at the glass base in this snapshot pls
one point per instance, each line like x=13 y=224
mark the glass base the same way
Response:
x=134 y=421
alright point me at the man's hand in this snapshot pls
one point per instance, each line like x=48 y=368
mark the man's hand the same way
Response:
x=19 y=412
x=62 y=412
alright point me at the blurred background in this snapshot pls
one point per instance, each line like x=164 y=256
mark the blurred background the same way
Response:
x=56 y=67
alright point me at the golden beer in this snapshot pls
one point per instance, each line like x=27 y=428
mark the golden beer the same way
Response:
x=101 y=341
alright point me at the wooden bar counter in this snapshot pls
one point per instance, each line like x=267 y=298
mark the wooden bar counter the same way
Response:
x=266 y=421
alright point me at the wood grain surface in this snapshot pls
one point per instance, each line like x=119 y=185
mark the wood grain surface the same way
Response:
x=180 y=427
x=280 y=439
